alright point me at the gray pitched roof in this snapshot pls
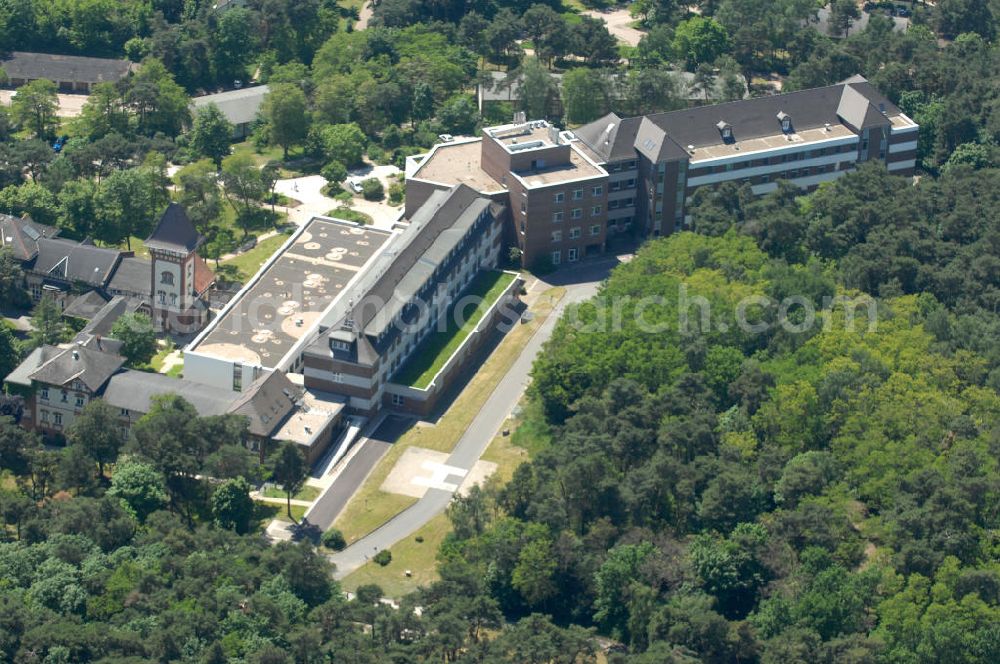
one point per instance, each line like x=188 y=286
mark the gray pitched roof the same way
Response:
x=611 y=137
x=857 y=111
x=435 y=229
x=92 y=367
x=135 y=390
x=854 y=102
x=754 y=118
x=267 y=402
x=21 y=235
x=655 y=144
x=133 y=275
x=21 y=375
x=174 y=232
x=64 y=68
x=86 y=306
x=238 y=106
x=72 y=261
x=104 y=320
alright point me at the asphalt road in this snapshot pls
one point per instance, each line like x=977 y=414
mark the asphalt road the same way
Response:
x=481 y=431
x=333 y=500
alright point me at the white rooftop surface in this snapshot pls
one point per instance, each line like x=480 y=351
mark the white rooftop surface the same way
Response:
x=288 y=296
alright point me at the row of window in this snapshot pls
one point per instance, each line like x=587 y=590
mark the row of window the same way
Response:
x=621 y=185
x=779 y=159
x=621 y=166
x=57 y=418
x=63 y=397
x=621 y=203
x=560 y=196
x=576 y=213
x=572 y=255
x=575 y=233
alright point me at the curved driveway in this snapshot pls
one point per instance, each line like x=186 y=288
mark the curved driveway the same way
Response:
x=481 y=431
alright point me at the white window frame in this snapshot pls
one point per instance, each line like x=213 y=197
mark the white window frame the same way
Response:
x=559 y=197
x=574 y=233
x=557 y=217
x=573 y=255
x=595 y=229
x=596 y=210
x=576 y=213
x=597 y=191
x=577 y=194
x=556 y=257
x=557 y=236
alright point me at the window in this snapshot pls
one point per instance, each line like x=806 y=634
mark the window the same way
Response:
x=79 y=401
x=613 y=205
x=58 y=419
x=558 y=198
x=571 y=255
x=161 y=296
x=64 y=397
x=574 y=233
x=557 y=216
x=45 y=416
x=576 y=213
x=167 y=278
x=343 y=345
x=397 y=400
x=556 y=257
x=595 y=229
x=597 y=191
x=557 y=236
x=596 y=210
x=237 y=378
x=524 y=207
x=123 y=431
x=45 y=393
x=123 y=412
x=173 y=298
x=577 y=194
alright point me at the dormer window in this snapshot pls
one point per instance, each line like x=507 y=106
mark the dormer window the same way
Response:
x=786 y=121
x=726 y=130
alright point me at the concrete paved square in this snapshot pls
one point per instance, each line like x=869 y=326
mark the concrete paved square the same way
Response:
x=420 y=469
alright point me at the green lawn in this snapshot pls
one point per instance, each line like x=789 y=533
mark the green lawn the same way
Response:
x=435 y=350
x=309 y=493
x=248 y=263
x=418 y=557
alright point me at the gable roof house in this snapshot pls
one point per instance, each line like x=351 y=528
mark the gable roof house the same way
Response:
x=84 y=277
x=70 y=73
x=239 y=107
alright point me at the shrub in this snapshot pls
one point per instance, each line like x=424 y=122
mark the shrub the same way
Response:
x=334 y=539
x=334 y=172
x=396 y=193
x=383 y=557
x=372 y=189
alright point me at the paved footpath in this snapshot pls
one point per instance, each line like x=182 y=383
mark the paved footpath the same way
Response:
x=476 y=438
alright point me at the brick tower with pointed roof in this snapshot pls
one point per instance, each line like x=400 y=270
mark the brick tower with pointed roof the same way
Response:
x=180 y=276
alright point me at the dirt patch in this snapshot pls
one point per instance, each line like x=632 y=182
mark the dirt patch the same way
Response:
x=619 y=23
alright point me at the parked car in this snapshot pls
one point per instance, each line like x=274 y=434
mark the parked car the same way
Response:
x=355 y=185
x=60 y=143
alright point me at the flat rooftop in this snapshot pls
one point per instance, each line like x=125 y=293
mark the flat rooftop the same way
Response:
x=774 y=142
x=287 y=297
x=578 y=168
x=524 y=136
x=306 y=422
x=457 y=163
